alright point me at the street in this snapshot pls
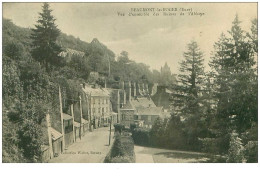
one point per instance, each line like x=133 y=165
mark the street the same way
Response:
x=92 y=148
x=157 y=155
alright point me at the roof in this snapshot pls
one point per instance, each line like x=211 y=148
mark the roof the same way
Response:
x=168 y=91
x=55 y=134
x=76 y=124
x=100 y=92
x=149 y=111
x=142 y=103
x=128 y=106
x=44 y=147
x=67 y=117
x=83 y=121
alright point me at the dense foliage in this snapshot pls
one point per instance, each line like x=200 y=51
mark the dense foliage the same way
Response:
x=35 y=63
x=214 y=112
x=122 y=150
x=44 y=36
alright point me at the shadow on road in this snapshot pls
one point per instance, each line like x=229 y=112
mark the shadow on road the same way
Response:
x=180 y=155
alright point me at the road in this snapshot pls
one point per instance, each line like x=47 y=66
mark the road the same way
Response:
x=157 y=155
x=92 y=148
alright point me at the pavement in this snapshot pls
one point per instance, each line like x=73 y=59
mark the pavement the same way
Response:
x=157 y=155
x=141 y=157
x=92 y=148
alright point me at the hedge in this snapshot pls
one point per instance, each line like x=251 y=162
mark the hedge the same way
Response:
x=122 y=150
x=141 y=136
x=119 y=128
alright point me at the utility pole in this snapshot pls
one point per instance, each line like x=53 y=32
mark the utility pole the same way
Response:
x=110 y=132
x=90 y=112
x=73 y=128
x=49 y=134
x=62 y=125
x=80 y=132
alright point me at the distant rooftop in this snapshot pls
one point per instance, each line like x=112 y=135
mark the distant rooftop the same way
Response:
x=67 y=117
x=150 y=111
x=142 y=102
x=55 y=134
x=100 y=92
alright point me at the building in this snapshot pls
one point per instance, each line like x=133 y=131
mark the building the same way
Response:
x=56 y=137
x=162 y=97
x=140 y=110
x=99 y=105
x=68 y=129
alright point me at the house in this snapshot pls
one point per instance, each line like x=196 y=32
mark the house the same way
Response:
x=76 y=130
x=100 y=107
x=127 y=114
x=147 y=116
x=140 y=110
x=56 y=137
x=68 y=129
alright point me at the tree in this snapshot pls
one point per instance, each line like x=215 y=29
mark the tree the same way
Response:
x=190 y=81
x=123 y=58
x=236 y=150
x=236 y=84
x=44 y=36
x=253 y=35
x=187 y=99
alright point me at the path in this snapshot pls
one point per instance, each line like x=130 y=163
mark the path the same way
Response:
x=157 y=155
x=92 y=148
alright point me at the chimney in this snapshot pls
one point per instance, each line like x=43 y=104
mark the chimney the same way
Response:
x=142 y=89
x=122 y=85
x=129 y=93
x=147 y=89
x=137 y=89
x=124 y=97
x=118 y=107
x=134 y=89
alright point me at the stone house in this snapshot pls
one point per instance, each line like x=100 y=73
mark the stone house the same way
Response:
x=140 y=111
x=99 y=105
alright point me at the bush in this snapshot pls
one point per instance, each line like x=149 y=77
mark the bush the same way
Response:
x=132 y=127
x=236 y=149
x=122 y=151
x=251 y=152
x=119 y=128
x=141 y=136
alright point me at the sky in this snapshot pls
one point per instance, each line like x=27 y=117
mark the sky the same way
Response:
x=153 y=40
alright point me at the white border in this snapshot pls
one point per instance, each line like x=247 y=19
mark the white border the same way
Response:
x=126 y=171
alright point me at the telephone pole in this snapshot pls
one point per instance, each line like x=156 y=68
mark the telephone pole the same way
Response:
x=62 y=125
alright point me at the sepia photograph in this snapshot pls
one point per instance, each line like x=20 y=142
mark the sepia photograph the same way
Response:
x=140 y=82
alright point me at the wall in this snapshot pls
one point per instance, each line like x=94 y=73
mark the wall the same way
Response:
x=46 y=155
x=68 y=138
x=56 y=145
x=127 y=117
